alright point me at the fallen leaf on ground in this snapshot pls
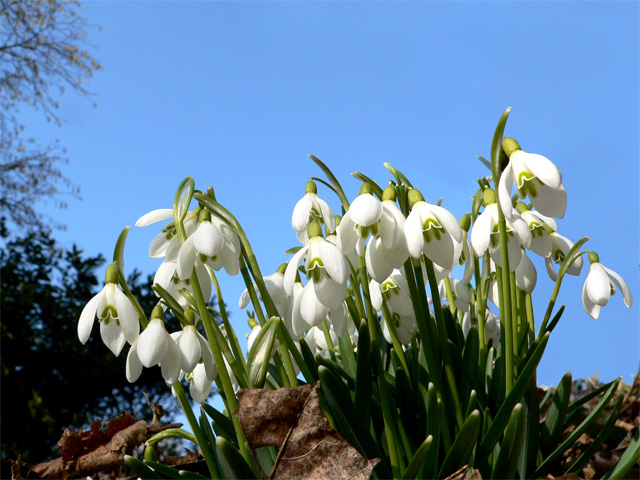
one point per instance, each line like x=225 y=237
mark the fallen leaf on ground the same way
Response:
x=292 y=420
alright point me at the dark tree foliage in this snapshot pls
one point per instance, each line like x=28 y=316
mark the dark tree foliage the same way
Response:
x=43 y=52
x=49 y=379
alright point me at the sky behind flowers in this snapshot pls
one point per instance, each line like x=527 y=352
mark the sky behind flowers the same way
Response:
x=236 y=94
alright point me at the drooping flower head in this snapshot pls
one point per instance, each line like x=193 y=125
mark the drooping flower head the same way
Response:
x=433 y=231
x=535 y=177
x=311 y=207
x=115 y=312
x=600 y=284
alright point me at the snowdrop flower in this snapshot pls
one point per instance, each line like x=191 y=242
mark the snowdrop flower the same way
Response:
x=154 y=346
x=485 y=234
x=116 y=314
x=168 y=236
x=432 y=230
x=318 y=343
x=395 y=292
x=460 y=292
x=200 y=383
x=561 y=247
x=526 y=275
x=166 y=276
x=275 y=286
x=325 y=266
x=206 y=241
x=311 y=206
x=535 y=176
x=600 y=285
x=540 y=227
x=368 y=215
x=194 y=348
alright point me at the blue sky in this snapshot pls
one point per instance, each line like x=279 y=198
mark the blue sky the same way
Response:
x=236 y=94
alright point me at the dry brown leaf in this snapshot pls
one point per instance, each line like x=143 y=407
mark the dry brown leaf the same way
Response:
x=292 y=420
x=465 y=473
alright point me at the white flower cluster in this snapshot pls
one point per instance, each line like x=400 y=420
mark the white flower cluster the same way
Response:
x=316 y=293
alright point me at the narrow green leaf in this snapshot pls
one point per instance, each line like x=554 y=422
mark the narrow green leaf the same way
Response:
x=141 y=469
x=284 y=334
x=556 y=318
x=222 y=425
x=334 y=182
x=309 y=360
x=503 y=415
x=164 y=469
x=398 y=175
x=362 y=394
x=347 y=356
x=418 y=459
x=348 y=418
x=232 y=463
x=484 y=161
x=337 y=369
x=496 y=146
x=463 y=445
x=554 y=423
x=507 y=463
x=118 y=252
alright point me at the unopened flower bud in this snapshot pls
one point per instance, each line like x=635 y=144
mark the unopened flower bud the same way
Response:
x=389 y=193
x=509 y=145
x=414 y=196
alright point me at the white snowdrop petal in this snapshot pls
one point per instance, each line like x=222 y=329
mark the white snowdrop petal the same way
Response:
x=170 y=364
x=87 y=317
x=333 y=260
x=190 y=350
x=292 y=269
x=154 y=216
x=112 y=336
x=543 y=168
x=590 y=307
x=377 y=265
x=312 y=311
x=504 y=191
x=127 y=315
x=448 y=221
x=550 y=201
x=207 y=239
x=413 y=233
x=300 y=216
x=134 y=366
x=597 y=285
x=153 y=343
x=365 y=210
x=622 y=286
x=330 y=293
x=186 y=259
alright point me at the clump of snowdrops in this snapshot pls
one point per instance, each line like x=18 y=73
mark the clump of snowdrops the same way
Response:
x=424 y=365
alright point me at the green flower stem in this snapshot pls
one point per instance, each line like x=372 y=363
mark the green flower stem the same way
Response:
x=231 y=334
x=252 y=292
x=200 y=435
x=387 y=413
x=327 y=337
x=394 y=337
x=444 y=341
x=481 y=303
x=507 y=326
x=449 y=295
x=530 y=318
x=223 y=375
x=288 y=364
x=515 y=323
